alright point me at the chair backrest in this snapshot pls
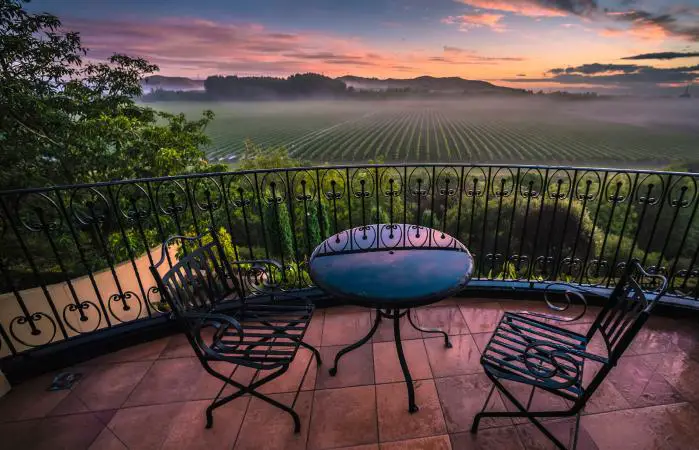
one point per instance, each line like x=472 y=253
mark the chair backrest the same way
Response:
x=200 y=279
x=627 y=309
x=622 y=317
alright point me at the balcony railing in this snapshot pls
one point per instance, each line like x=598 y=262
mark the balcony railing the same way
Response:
x=74 y=259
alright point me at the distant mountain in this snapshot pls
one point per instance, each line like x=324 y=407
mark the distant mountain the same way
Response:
x=424 y=84
x=428 y=84
x=164 y=83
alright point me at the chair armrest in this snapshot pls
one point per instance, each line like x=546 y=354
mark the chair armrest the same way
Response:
x=261 y=279
x=570 y=293
x=221 y=323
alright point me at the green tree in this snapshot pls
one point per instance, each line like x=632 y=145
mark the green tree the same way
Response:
x=66 y=121
x=318 y=226
x=278 y=226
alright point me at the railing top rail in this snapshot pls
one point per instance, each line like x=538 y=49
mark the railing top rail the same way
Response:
x=344 y=166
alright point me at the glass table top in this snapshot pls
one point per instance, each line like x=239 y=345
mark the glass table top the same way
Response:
x=391 y=265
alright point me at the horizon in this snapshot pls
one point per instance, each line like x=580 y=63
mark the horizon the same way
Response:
x=621 y=46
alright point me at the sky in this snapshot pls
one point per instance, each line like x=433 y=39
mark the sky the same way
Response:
x=549 y=44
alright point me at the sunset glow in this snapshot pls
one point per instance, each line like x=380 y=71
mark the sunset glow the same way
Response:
x=516 y=42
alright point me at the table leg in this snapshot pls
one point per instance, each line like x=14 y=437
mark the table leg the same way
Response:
x=359 y=343
x=447 y=342
x=412 y=407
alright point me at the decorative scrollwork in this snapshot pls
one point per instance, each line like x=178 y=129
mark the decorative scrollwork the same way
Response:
x=89 y=206
x=304 y=186
x=362 y=183
x=34 y=321
x=543 y=266
x=531 y=183
x=124 y=300
x=518 y=265
x=207 y=194
x=171 y=198
x=569 y=293
x=394 y=237
x=333 y=184
x=447 y=182
x=419 y=183
x=266 y=277
x=552 y=363
x=650 y=190
x=684 y=281
x=559 y=185
x=240 y=191
x=597 y=271
x=683 y=192
x=156 y=304
x=364 y=237
x=495 y=264
x=38 y=212
x=475 y=182
x=391 y=182
x=571 y=267
x=588 y=186
x=84 y=311
x=273 y=188
x=133 y=202
x=503 y=183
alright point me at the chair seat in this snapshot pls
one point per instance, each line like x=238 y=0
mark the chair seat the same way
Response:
x=538 y=354
x=272 y=334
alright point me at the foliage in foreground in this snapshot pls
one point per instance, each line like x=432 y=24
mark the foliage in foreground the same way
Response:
x=64 y=121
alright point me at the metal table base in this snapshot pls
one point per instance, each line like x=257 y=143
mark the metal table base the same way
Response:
x=395 y=315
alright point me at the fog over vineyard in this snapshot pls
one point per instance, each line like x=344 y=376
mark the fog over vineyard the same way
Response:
x=623 y=132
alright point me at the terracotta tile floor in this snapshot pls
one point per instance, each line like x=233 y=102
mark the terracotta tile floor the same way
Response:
x=153 y=395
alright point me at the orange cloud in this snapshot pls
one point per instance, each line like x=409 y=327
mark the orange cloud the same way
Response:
x=470 y=21
x=649 y=32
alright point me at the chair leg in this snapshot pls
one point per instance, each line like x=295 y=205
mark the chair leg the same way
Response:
x=294 y=414
x=251 y=389
x=524 y=413
x=447 y=342
x=359 y=343
x=574 y=444
x=477 y=419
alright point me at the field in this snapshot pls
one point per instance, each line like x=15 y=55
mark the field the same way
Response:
x=501 y=131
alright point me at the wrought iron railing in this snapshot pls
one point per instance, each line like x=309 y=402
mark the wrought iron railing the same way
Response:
x=74 y=259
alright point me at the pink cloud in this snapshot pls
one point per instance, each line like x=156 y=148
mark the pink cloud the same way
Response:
x=473 y=20
x=195 y=47
x=530 y=8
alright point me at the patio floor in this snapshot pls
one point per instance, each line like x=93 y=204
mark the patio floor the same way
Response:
x=153 y=395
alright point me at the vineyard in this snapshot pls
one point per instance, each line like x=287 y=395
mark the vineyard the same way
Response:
x=430 y=131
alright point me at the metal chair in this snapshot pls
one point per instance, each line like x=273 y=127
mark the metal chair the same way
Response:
x=535 y=353
x=261 y=331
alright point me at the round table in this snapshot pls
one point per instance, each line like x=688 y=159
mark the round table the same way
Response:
x=391 y=268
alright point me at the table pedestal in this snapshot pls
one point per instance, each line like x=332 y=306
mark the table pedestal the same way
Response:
x=395 y=315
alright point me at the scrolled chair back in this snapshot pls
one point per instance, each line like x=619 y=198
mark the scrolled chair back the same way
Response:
x=201 y=277
x=628 y=308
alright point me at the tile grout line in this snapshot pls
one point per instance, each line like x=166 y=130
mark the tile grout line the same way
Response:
x=313 y=395
x=242 y=422
x=458 y=306
x=439 y=400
